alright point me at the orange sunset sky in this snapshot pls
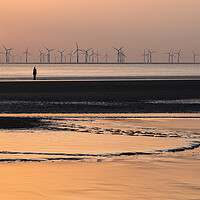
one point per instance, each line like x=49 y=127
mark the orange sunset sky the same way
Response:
x=136 y=24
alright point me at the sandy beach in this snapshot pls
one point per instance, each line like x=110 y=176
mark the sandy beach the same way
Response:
x=160 y=175
x=159 y=96
x=99 y=100
x=99 y=140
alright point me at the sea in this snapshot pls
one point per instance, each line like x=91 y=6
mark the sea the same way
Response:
x=89 y=72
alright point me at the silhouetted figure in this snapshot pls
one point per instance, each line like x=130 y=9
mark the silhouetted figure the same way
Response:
x=34 y=73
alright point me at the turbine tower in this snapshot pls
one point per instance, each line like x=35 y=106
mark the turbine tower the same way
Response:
x=150 y=55
x=97 y=55
x=49 y=54
x=179 y=55
x=144 y=55
x=86 y=54
x=61 y=55
x=118 y=53
x=169 y=54
x=172 y=56
x=26 y=54
x=106 y=57
x=77 y=52
x=65 y=57
x=122 y=57
x=7 y=53
x=92 y=55
x=41 y=56
x=70 y=56
x=194 y=56
x=55 y=57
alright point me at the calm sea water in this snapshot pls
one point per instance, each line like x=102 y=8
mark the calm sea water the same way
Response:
x=99 y=71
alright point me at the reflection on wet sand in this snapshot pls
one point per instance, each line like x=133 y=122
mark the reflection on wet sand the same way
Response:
x=100 y=156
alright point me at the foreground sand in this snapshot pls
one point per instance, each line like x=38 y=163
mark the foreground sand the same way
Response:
x=164 y=176
x=139 y=179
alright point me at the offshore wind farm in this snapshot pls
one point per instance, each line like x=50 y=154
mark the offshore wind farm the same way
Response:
x=82 y=56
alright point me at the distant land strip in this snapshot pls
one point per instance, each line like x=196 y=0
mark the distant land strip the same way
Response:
x=102 y=63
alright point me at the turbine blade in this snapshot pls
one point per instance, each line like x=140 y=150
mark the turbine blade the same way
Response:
x=116 y=49
x=4 y=47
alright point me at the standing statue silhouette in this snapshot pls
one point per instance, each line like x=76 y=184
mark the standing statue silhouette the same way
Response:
x=34 y=73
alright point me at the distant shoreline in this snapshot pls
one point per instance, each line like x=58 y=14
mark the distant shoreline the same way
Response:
x=103 y=63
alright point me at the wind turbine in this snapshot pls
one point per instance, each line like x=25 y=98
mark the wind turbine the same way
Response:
x=92 y=55
x=86 y=54
x=26 y=54
x=61 y=55
x=118 y=53
x=150 y=55
x=77 y=52
x=65 y=58
x=49 y=54
x=12 y=57
x=70 y=56
x=122 y=57
x=172 y=56
x=194 y=56
x=169 y=54
x=179 y=55
x=41 y=56
x=44 y=57
x=145 y=55
x=106 y=57
x=97 y=55
x=55 y=57
x=7 y=53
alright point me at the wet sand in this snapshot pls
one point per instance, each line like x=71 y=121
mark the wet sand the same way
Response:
x=120 y=156
x=100 y=90
x=141 y=179
x=99 y=96
x=169 y=175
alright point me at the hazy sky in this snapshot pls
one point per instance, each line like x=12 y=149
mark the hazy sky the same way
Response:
x=136 y=24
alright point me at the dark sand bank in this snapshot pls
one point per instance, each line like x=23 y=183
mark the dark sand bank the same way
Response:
x=98 y=96
x=21 y=123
